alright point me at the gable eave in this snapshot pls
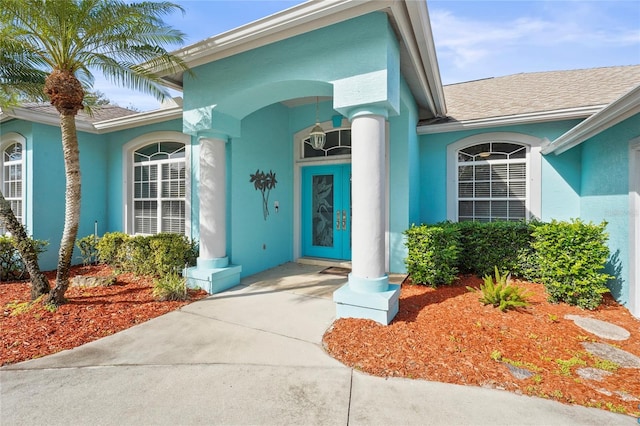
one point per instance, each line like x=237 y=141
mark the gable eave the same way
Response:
x=624 y=107
x=409 y=18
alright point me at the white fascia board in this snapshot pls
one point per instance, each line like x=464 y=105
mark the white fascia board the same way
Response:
x=423 y=53
x=530 y=118
x=48 y=119
x=99 y=127
x=617 y=111
x=136 y=120
x=289 y=23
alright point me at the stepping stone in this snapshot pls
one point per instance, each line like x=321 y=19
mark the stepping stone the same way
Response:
x=518 y=372
x=602 y=329
x=591 y=373
x=626 y=397
x=605 y=351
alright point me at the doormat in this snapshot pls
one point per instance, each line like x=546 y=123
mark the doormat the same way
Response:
x=335 y=270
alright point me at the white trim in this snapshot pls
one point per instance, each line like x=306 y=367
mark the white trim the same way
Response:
x=127 y=173
x=617 y=111
x=6 y=140
x=99 y=127
x=527 y=118
x=634 y=227
x=534 y=168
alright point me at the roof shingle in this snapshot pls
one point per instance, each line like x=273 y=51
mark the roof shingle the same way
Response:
x=539 y=92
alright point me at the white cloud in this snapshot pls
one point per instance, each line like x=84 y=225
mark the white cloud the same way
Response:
x=521 y=39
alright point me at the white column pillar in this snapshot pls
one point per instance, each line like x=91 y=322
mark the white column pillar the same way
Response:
x=213 y=210
x=368 y=202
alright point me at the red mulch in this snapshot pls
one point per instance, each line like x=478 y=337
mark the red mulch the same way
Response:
x=447 y=335
x=90 y=314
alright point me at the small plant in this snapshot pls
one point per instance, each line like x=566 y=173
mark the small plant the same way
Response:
x=496 y=355
x=567 y=364
x=553 y=318
x=88 y=247
x=604 y=364
x=170 y=287
x=501 y=294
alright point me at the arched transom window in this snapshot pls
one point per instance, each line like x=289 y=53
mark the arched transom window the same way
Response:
x=159 y=188
x=12 y=178
x=337 y=143
x=492 y=182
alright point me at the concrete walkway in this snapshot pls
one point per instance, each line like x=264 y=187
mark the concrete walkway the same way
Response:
x=251 y=355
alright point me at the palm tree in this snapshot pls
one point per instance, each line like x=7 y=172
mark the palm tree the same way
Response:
x=71 y=38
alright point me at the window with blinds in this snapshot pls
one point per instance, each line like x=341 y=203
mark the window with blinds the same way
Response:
x=492 y=182
x=159 y=188
x=12 y=178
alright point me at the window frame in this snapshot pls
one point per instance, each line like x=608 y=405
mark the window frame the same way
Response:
x=128 y=172
x=6 y=141
x=533 y=169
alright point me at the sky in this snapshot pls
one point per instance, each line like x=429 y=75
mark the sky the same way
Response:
x=474 y=39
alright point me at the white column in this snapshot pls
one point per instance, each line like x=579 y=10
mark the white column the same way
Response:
x=368 y=196
x=213 y=210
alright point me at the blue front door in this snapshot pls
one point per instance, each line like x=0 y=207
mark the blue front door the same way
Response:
x=326 y=211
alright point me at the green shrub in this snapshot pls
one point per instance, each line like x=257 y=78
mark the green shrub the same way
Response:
x=170 y=287
x=136 y=256
x=571 y=257
x=502 y=294
x=433 y=253
x=88 y=247
x=172 y=252
x=147 y=255
x=11 y=265
x=486 y=244
x=109 y=248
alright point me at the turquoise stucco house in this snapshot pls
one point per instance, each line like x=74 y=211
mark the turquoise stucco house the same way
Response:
x=399 y=148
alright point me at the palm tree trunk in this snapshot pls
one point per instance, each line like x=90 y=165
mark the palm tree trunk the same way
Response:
x=39 y=283
x=72 y=207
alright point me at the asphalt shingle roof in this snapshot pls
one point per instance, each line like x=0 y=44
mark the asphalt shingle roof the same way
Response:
x=105 y=112
x=539 y=92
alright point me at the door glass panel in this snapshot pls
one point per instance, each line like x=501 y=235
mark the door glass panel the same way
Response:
x=322 y=210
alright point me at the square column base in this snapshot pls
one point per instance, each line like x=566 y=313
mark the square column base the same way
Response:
x=213 y=280
x=381 y=306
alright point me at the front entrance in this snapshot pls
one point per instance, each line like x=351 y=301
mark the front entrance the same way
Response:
x=326 y=211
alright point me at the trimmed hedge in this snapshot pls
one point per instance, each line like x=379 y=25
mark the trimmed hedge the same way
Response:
x=487 y=245
x=571 y=257
x=433 y=253
x=157 y=255
x=567 y=257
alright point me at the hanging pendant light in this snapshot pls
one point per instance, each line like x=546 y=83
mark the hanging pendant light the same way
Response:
x=317 y=135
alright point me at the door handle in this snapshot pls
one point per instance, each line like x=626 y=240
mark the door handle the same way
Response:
x=338 y=220
x=344 y=220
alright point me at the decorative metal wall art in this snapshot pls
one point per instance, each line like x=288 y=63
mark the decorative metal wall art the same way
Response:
x=264 y=182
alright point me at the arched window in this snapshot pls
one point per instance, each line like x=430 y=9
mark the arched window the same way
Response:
x=159 y=188
x=492 y=182
x=12 y=178
x=337 y=143
x=494 y=177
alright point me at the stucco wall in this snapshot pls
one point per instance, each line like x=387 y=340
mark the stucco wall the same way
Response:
x=559 y=180
x=605 y=195
x=255 y=243
x=45 y=190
